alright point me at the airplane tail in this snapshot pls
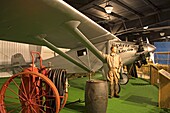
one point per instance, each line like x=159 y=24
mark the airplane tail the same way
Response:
x=17 y=61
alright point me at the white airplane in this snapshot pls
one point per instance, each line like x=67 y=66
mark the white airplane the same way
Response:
x=55 y=24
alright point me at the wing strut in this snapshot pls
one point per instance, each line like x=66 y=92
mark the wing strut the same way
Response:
x=72 y=27
x=69 y=58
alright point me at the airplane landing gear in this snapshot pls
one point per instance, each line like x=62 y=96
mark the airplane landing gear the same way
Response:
x=123 y=79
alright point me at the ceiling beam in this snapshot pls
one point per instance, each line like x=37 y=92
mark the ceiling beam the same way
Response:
x=151 y=21
x=90 y=5
x=148 y=20
x=152 y=5
x=127 y=8
x=95 y=17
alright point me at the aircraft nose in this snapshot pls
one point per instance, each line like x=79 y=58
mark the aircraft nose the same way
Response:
x=151 y=48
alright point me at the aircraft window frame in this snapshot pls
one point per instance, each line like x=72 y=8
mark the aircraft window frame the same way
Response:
x=82 y=52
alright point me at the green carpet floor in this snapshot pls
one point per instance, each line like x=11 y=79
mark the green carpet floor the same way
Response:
x=138 y=96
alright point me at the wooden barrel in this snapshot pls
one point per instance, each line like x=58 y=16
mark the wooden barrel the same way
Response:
x=96 y=96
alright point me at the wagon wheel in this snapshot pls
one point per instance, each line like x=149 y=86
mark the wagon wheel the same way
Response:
x=57 y=76
x=64 y=100
x=20 y=95
x=65 y=95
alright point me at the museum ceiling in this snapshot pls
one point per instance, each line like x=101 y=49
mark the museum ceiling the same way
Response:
x=129 y=19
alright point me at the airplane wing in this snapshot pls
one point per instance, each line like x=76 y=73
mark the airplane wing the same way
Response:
x=24 y=20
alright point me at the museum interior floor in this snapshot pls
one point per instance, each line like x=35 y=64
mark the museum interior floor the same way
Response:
x=137 y=96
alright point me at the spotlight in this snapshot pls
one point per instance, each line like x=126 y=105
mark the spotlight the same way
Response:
x=108 y=8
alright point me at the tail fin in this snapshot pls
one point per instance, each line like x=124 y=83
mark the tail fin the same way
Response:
x=17 y=60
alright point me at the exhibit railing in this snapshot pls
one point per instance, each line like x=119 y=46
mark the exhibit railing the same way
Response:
x=162 y=57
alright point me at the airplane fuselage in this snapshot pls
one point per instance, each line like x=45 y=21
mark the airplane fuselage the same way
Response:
x=129 y=51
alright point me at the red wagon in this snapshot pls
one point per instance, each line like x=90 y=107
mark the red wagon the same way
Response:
x=35 y=90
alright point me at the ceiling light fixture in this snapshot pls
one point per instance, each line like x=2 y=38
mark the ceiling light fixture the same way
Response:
x=162 y=33
x=108 y=8
x=146 y=27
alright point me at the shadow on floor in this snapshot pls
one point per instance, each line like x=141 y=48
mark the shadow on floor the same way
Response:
x=76 y=105
x=141 y=100
x=140 y=84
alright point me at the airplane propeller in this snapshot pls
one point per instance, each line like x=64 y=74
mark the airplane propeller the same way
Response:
x=140 y=43
x=140 y=52
x=150 y=53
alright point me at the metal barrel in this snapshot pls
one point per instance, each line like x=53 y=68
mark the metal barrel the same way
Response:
x=96 y=96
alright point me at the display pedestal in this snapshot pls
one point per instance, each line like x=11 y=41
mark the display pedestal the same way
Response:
x=164 y=89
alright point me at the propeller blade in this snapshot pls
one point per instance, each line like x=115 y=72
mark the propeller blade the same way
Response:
x=151 y=58
x=147 y=41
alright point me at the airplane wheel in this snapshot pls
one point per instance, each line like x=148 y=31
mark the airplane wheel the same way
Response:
x=118 y=88
x=21 y=94
x=124 y=79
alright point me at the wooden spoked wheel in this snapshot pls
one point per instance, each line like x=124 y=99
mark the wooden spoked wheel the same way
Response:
x=65 y=97
x=28 y=92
